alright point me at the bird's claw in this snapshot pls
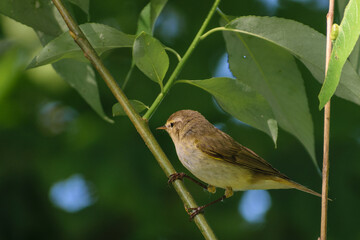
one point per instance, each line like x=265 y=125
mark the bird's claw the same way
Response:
x=194 y=211
x=175 y=176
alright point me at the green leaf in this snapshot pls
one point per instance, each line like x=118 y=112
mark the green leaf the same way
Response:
x=81 y=76
x=103 y=38
x=144 y=21
x=241 y=101
x=354 y=57
x=40 y=14
x=272 y=72
x=149 y=15
x=348 y=35
x=82 y=4
x=117 y=109
x=150 y=57
x=304 y=43
x=155 y=10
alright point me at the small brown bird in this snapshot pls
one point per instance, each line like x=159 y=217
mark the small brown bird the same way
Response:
x=218 y=160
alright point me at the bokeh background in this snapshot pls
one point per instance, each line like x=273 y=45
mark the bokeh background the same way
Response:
x=67 y=174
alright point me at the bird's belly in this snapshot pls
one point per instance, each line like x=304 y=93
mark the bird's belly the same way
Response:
x=224 y=174
x=214 y=172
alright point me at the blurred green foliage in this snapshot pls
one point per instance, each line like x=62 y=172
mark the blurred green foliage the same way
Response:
x=48 y=133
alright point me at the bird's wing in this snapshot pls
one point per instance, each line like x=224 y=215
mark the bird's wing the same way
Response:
x=227 y=149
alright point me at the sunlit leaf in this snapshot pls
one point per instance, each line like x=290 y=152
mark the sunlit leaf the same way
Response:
x=349 y=32
x=149 y=15
x=304 y=43
x=271 y=71
x=241 y=101
x=150 y=57
x=118 y=110
x=101 y=37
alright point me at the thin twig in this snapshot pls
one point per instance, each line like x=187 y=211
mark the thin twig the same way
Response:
x=180 y=65
x=139 y=123
x=325 y=171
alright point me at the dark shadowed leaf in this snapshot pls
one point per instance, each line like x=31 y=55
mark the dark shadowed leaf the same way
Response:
x=241 y=101
x=40 y=14
x=348 y=35
x=354 y=57
x=80 y=76
x=83 y=4
x=101 y=37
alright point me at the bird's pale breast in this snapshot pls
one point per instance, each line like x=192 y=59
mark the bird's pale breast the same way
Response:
x=219 y=173
x=212 y=171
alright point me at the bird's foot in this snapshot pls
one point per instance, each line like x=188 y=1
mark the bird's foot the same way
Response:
x=176 y=176
x=194 y=211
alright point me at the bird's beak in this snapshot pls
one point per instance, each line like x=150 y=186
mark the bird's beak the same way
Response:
x=161 y=128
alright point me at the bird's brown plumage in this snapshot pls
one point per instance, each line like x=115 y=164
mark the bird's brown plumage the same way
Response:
x=191 y=128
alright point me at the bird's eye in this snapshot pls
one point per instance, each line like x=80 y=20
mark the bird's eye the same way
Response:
x=171 y=124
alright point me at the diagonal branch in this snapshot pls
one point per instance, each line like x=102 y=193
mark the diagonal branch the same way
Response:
x=139 y=123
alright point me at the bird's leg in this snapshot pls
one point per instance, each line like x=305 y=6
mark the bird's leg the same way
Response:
x=211 y=189
x=195 y=211
x=181 y=175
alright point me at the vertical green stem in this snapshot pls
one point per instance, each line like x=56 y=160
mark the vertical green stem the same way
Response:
x=139 y=123
x=180 y=65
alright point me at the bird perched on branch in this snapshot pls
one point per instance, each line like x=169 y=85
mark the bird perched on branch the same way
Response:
x=218 y=160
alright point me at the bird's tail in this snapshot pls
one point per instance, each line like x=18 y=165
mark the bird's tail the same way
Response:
x=304 y=189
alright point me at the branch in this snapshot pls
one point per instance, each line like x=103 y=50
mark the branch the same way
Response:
x=325 y=171
x=139 y=123
x=180 y=65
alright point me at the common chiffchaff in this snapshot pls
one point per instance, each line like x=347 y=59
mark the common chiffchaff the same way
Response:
x=218 y=160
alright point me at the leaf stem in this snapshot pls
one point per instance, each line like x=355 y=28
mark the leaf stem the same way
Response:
x=128 y=75
x=217 y=29
x=325 y=171
x=139 y=123
x=177 y=55
x=180 y=65
x=222 y=15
